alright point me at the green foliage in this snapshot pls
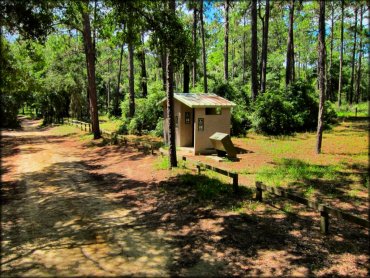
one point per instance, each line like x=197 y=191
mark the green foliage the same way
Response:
x=147 y=112
x=295 y=170
x=289 y=110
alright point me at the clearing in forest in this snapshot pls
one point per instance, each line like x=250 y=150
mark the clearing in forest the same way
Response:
x=72 y=206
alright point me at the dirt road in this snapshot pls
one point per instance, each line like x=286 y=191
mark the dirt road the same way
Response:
x=74 y=209
x=55 y=221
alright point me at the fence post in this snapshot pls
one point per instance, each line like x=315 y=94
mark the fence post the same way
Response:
x=324 y=220
x=258 y=192
x=198 y=167
x=235 y=182
x=356 y=112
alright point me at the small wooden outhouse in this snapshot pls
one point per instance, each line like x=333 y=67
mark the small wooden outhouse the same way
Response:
x=197 y=117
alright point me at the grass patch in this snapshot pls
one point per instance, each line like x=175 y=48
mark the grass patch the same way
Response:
x=206 y=188
x=163 y=163
x=294 y=170
x=63 y=130
x=109 y=124
x=350 y=111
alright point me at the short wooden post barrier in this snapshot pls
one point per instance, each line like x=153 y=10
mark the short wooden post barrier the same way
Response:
x=258 y=192
x=198 y=168
x=235 y=183
x=356 y=112
x=324 y=220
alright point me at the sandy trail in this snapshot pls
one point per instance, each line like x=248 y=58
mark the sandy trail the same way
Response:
x=73 y=208
x=56 y=222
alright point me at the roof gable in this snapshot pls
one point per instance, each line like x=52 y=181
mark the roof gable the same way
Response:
x=203 y=100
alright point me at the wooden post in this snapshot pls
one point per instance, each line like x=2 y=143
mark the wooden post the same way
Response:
x=198 y=167
x=356 y=112
x=324 y=220
x=258 y=192
x=235 y=183
x=151 y=149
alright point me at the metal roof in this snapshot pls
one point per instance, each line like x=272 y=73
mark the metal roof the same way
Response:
x=203 y=100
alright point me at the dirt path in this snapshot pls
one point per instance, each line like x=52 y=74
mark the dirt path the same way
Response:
x=56 y=222
x=74 y=208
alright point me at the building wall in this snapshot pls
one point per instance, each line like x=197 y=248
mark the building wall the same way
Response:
x=184 y=132
x=212 y=124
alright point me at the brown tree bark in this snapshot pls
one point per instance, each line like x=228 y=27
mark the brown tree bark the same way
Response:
x=144 y=85
x=358 y=80
x=244 y=50
x=289 y=73
x=321 y=66
x=186 y=77
x=204 y=54
x=264 y=47
x=226 y=40
x=170 y=100
x=340 y=85
x=116 y=109
x=254 y=45
x=329 y=88
x=350 y=97
x=131 y=81
x=163 y=65
x=195 y=12
x=90 y=62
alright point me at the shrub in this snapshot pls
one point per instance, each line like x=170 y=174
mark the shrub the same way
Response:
x=289 y=110
x=147 y=112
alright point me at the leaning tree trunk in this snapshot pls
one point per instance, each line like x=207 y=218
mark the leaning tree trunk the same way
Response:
x=254 y=45
x=90 y=61
x=170 y=101
x=131 y=80
x=204 y=57
x=358 y=80
x=353 y=61
x=322 y=59
x=264 y=47
x=226 y=39
x=289 y=73
x=340 y=85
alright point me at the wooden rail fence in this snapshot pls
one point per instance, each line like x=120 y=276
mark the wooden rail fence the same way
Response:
x=325 y=210
x=141 y=146
x=233 y=175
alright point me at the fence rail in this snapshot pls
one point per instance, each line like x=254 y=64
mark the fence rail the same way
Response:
x=325 y=210
x=110 y=135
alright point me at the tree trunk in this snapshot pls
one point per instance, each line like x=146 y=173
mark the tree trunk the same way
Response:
x=163 y=64
x=131 y=80
x=186 y=77
x=358 y=80
x=341 y=58
x=322 y=59
x=204 y=57
x=108 y=85
x=254 y=46
x=353 y=60
x=116 y=108
x=144 y=85
x=170 y=101
x=244 y=50
x=195 y=11
x=226 y=39
x=289 y=74
x=264 y=47
x=90 y=59
x=329 y=88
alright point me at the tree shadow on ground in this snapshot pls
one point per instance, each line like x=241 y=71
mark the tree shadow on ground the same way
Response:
x=65 y=206
x=233 y=243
